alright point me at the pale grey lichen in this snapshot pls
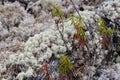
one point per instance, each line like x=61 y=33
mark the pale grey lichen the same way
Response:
x=39 y=37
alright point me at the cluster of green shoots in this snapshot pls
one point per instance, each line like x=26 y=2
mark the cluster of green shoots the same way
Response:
x=65 y=65
x=103 y=29
x=57 y=12
x=105 y=32
x=79 y=26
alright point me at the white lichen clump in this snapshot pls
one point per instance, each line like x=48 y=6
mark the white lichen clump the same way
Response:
x=110 y=9
x=48 y=42
x=113 y=72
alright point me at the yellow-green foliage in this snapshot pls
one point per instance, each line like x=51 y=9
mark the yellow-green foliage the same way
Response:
x=57 y=11
x=78 y=23
x=103 y=29
x=65 y=65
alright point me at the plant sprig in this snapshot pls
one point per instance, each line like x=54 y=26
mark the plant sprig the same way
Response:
x=79 y=26
x=57 y=11
x=65 y=65
x=105 y=32
x=103 y=29
x=80 y=35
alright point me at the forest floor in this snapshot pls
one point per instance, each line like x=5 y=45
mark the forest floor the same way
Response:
x=59 y=40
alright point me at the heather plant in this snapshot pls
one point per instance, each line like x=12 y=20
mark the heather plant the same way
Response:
x=80 y=35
